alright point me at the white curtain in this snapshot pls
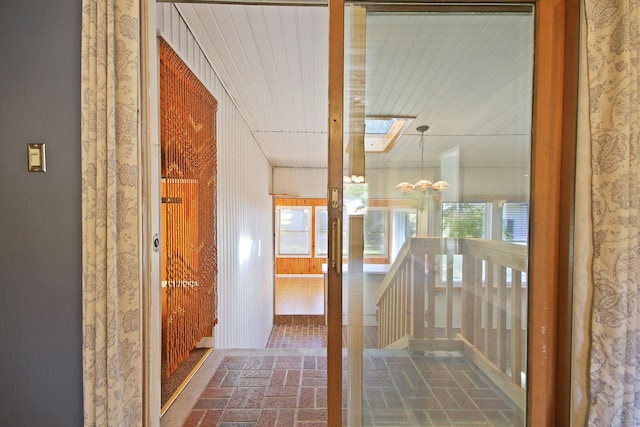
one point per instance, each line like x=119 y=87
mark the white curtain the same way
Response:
x=607 y=319
x=112 y=357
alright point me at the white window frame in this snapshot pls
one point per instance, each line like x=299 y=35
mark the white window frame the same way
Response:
x=345 y=234
x=487 y=220
x=319 y=232
x=395 y=242
x=279 y=253
x=385 y=235
x=457 y=259
x=522 y=217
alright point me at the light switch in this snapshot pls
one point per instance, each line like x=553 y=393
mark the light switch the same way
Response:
x=36 y=158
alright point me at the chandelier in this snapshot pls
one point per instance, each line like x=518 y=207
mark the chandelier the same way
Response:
x=423 y=189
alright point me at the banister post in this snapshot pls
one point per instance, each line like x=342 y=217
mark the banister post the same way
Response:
x=431 y=296
x=417 y=295
x=468 y=281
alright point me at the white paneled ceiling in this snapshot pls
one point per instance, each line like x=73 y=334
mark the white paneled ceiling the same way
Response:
x=466 y=75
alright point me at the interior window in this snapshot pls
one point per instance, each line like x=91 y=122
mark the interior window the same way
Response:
x=293 y=231
x=515 y=222
x=466 y=220
x=322 y=230
x=375 y=233
x=403 y=224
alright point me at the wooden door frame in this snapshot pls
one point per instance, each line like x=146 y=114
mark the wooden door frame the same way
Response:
x=150 y=164
x=552 y=191
x=334 y=212
x=553 y=174
x=552 y=194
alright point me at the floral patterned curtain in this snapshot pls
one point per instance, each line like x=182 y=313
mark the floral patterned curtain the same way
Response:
x=112 y=357
x=610 y=120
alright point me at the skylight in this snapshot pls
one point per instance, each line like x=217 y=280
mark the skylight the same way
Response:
x=382 y=132
x=377 y=126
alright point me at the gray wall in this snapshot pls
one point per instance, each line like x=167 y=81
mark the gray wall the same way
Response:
x=40 y=226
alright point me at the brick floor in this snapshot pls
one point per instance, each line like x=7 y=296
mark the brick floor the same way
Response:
x=314 y=336
x=287 y=387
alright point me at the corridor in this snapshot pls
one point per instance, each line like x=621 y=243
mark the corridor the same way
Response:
x=287 y=387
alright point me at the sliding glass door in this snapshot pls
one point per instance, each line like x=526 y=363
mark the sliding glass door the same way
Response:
x=431 y=178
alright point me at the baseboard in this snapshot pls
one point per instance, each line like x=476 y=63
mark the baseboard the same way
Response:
x=299 y=319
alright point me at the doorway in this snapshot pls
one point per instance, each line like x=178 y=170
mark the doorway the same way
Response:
x=189 y=264
x=554 y=137
x=300 y=253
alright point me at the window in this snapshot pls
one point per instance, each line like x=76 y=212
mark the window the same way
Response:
x=375 y=233
x=463 y=220
x=293 y=231
x=403 y=224
x=466 y=220
x=474 y=220
x=515 y=222
x=322 y=232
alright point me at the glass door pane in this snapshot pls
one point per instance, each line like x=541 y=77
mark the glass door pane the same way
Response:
x=437 y=153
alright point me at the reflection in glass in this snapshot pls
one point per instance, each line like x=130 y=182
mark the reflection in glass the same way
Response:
x=443 y=287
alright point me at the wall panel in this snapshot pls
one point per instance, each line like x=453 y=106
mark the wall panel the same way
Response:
x=300 y=182
x=245 y=226
x=41 y=216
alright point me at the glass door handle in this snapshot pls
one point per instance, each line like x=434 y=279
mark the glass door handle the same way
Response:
x=336 y=245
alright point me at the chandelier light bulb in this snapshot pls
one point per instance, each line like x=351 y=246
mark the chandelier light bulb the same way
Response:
x=440 y=185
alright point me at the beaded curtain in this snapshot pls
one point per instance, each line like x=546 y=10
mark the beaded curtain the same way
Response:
x=189 y=258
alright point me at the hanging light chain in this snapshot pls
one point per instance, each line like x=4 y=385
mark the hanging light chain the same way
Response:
x=422 y=155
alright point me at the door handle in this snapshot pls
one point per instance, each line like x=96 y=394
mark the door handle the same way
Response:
x=336 y=245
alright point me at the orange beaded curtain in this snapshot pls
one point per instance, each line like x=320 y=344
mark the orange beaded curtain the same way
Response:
x=189 y=251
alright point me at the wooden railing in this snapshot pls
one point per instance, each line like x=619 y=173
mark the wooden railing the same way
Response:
x=481 y=312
